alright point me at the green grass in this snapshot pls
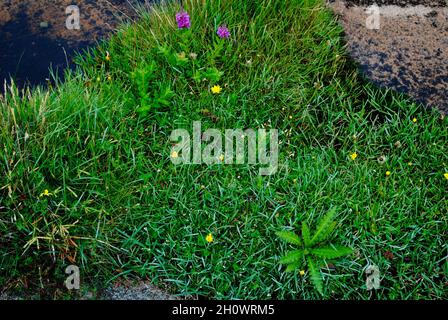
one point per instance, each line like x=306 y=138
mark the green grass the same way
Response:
x=120 y=208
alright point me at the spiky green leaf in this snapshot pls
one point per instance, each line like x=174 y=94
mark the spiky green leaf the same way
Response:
x=292 y=257
x=331 y=252
x=289 y=237
x=306 y=234
x=324 y=228
x=292 y=266
x=316 y=276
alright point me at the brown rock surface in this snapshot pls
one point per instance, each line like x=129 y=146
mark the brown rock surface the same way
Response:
x=408 y=53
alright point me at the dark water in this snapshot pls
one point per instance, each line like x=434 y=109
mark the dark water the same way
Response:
x=27 y=57
x=34 y=37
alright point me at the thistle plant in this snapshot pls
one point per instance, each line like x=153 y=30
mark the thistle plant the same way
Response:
x=314 y=249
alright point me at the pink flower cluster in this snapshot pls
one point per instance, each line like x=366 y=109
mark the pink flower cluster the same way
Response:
x=223 y=32
x=183 y=22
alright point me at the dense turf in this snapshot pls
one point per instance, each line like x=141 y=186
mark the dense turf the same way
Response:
x=99 y=143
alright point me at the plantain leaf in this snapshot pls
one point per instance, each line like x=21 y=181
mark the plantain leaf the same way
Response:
x=331 y=252
x=324 y=228
x=306 y=234
x=289 y=237
x=316 y=276
x=292 y=257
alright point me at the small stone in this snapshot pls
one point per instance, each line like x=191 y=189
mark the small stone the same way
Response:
x=43 y=25
x=88 y=296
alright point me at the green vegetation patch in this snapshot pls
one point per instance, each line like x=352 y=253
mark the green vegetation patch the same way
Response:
x=87 y=179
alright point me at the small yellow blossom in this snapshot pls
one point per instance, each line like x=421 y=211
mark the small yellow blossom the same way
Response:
x=446 y=176
x=221 y=158
x=290 y=117
x=181 y=55
x=294 y=180
x=109 y=78
x=98 y=79
x=174 y=154
x=107 y=56
x=354 y=155
x=409 y=163
x=216 y=89
x=46 y=193
x=414 y=120
x=302 y=272
x=209 y=238
x=387 y=173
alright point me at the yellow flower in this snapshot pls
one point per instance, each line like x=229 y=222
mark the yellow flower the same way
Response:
x=414 y=120
x=209 y=238
x=446 y=176
x=107 y=56
x=181 y=55
x=409 y=163
x=216 y=89
x=294 y=180
x=109 y=78
x=221 y=158
x=387 y=173
x=354 y=155
x=98 y=79
x=174 y=154
x=46 y=193
x=302 y=272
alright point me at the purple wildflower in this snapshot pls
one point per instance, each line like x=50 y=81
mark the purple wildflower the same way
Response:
x=183 y=20
x=223 y=32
